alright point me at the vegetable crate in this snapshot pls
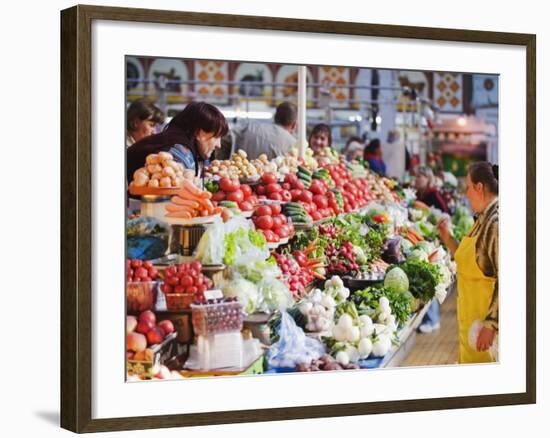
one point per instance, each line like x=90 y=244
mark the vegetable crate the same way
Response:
x=161 y=353
x=141 y=296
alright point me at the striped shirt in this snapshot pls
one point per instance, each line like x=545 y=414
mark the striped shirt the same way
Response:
x=487 y=254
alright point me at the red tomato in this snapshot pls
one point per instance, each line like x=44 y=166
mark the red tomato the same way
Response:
x=269 y=178
x=282 y=217
x=287 y=197
x=306 y=196
x=136 y=263
x=275 y=209
x=275 y=196
x=186 y=281
x=282 y=231
x=264 y=210
x=253 y=199
x=167 y=289
x=172 y=281
x=312 y=207
x=286 y=186
x=264 y=222
x=277 y=222
x=316 y=215
x=320 y=201
x=270 y=236
x=229 y=185
x=273 y=188
x=179 y=289
x=246 y=206
x=195 y=266
x=218 y=196
x=236 y=196
x=291 y=179
x=170 y=271
x=147 y=265
x=295 y=194
x=192 y=290
x=247 y=191
x=260 y=190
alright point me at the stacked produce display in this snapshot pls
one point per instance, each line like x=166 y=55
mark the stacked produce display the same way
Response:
x=301 y=265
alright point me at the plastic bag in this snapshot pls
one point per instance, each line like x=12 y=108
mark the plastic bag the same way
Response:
x=293 y=346
x=239 y=248
x=211 y=248
x=473 y=334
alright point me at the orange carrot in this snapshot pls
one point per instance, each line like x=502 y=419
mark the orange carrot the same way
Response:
x=176 y=207
x=180 y=214
x=206 y=194
x=207 y=204
x=190 y=188
x=188 y=196
x=186 y=202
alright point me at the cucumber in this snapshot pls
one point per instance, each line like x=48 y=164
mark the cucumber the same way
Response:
x=229 y=204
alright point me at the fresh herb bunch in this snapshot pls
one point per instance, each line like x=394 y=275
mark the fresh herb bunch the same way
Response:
x=423 y=278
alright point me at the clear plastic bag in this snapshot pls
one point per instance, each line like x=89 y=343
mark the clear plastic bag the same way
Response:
x=293 y=346
x=473 y=334
x=211 y=248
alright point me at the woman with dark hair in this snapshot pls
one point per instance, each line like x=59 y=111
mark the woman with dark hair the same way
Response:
x=191 y=137
x=373 y=154
x=320 y=138
x=142 y=118
x=477 y=264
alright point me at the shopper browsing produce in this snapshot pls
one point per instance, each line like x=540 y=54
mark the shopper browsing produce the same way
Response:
x=477 y=264
x=142 y=119
x=272 y=140
x=191 y=137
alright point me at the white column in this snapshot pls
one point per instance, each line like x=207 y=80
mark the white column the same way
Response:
x=302 y=101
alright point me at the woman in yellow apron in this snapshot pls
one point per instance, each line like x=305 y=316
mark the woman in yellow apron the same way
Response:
x=477 y=264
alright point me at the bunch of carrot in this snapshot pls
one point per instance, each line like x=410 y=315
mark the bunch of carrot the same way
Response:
x=411 y=235
x=191 y=202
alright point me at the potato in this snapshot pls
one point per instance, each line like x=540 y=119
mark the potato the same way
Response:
x=171 y=163
x=165 y=156
x=141 y=179
x=142 y=170
x=188 y=174
x=157 y=175
x=241 y=153
x=153 y=183
x=177 y=181
x=168 y=171
x=165 y=182
x=152 y=159
x=154 y=168
x=214 y=169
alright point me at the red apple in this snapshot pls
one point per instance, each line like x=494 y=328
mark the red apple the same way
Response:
x=144 y=327
x=148 y=315
x=167 y=326
x=155 y=336
x=136 y=342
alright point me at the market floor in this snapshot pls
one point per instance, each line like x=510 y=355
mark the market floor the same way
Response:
x=439 y=347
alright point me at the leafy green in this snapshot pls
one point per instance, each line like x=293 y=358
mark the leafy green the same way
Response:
x=257 y=238
x=423 y=278
x=368 y=301
x=462 y=222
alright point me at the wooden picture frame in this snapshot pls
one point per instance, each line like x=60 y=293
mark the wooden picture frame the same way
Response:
x=76 y=222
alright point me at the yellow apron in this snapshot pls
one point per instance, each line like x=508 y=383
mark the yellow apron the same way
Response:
x=475 y=291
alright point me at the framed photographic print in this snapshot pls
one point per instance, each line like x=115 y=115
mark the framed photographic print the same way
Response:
x=252 y=205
